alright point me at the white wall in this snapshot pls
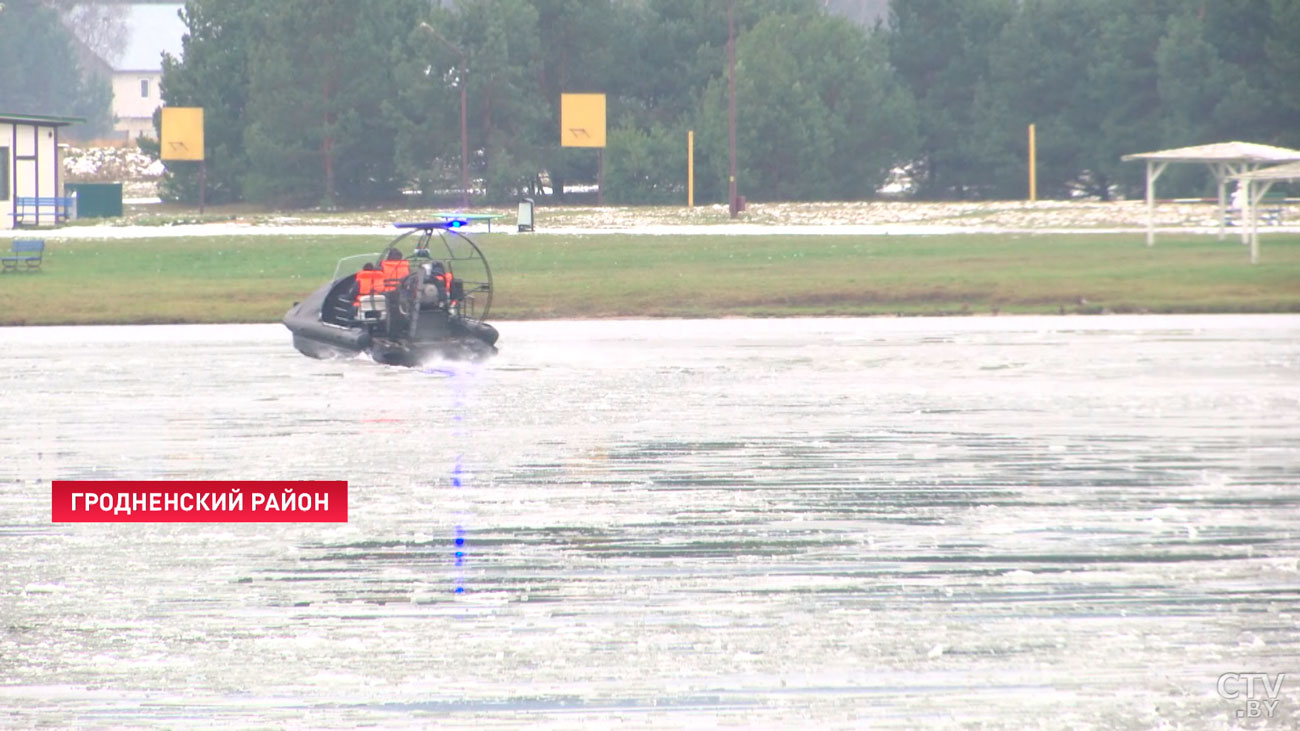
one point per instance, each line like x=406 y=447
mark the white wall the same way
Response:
x=133 y=110
x=38 y=174
x=47 y=150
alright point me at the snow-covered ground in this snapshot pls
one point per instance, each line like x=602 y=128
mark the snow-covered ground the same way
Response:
x=140 y=175
x=860 y=218
x=137 y=172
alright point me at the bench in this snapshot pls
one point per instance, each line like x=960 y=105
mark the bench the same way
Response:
x=31 y=209
x=1269 y=208
x=26 y=252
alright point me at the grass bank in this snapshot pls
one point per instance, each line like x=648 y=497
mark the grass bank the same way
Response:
x=256 y=278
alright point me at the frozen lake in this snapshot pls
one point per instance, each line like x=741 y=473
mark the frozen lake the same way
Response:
x=906 y=523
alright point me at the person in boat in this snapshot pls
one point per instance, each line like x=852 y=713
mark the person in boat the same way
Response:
x=395 y=268
x=369 y=281
x=437 y=284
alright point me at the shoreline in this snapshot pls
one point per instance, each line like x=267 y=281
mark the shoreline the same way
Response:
x=1016 y=317
x=1025 y=316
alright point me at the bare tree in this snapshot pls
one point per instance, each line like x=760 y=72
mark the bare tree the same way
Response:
x=101 y=26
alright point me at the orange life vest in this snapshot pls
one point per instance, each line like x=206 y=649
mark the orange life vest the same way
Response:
x=395 y=270
x=444 y=281
x=369 y=281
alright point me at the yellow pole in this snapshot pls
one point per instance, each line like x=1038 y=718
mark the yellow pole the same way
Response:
x=1033 y=173
x=690 y=168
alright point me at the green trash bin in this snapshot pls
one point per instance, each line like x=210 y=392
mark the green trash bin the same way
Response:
x=96 y=200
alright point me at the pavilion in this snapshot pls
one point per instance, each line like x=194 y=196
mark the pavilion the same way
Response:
x=1227 y=160
x=1257 y=184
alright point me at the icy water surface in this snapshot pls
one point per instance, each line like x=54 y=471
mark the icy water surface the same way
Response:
x=908 y=523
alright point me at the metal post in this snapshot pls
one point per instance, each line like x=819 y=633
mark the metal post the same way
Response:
x=1033 y=167
x=731 y=103
x=690 y=168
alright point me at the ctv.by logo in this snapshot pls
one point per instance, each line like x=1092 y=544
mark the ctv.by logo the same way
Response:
x=1259 y=690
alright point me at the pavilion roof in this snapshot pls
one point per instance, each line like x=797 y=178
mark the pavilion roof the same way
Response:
x=1226 y=152
x=1289 y=171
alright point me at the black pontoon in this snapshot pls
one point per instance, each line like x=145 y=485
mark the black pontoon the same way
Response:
x=403 y=310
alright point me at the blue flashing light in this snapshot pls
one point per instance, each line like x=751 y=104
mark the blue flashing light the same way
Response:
x=432 y=225
x=460 y=541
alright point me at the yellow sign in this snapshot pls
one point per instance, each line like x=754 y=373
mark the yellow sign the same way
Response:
x=582 y=120
x=182 y=133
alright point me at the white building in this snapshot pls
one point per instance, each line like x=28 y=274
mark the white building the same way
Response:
x=136 y=71
x=29 y=168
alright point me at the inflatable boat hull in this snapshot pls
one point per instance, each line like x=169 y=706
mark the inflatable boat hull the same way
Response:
x=437 y=335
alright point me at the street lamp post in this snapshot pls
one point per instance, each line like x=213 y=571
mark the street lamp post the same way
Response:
x=464 y=133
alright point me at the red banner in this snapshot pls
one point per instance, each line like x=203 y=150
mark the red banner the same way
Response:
x=197 y=501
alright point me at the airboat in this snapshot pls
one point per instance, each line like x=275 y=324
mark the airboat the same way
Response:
x=424 y=297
